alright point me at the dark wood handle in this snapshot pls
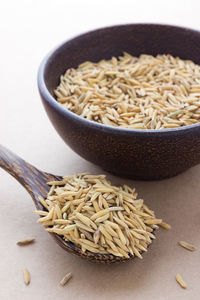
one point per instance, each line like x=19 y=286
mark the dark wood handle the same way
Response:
x=33 y=180
x=12 y=164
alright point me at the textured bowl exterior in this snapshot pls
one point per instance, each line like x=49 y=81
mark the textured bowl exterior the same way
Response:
x=138 y=154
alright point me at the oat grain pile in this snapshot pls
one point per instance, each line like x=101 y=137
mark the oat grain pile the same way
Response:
x=143 y=92
x=97 y=216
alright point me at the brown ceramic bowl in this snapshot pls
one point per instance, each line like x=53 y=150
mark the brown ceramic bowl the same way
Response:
x=139 y=154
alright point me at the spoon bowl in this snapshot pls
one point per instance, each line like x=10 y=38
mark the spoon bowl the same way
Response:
x=35 y=182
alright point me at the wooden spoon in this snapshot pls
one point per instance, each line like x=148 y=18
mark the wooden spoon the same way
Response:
x=35 y=182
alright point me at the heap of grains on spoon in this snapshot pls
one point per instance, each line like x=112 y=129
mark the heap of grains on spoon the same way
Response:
x=97 y=216
x=144 y=92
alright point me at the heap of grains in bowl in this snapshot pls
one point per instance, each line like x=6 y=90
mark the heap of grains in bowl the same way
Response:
x=97 y=216
x=144 y=92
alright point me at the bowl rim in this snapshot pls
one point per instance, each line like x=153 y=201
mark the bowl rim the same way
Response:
x=46 y=95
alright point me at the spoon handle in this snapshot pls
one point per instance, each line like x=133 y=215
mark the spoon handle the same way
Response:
x=31 y=178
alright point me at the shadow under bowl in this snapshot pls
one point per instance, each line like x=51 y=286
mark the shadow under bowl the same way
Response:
x=139 y=154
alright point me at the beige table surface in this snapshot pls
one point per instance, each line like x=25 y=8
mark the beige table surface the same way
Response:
x=29 y=29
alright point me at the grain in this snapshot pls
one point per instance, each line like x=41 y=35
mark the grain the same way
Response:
x=165 y=225
x=83 y=219
x=48 y=216
x=187 y=246
x=153 y=221
x=144 y=92
x=103 y=218
x=44 y=204
x=97 y=216
x=26 y=242
x=180 y=281
x=65 y=279
x=97 y=236
x=27 y=277
x=100 y=214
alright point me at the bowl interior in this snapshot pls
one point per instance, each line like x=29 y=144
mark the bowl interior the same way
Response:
x=112 y=41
